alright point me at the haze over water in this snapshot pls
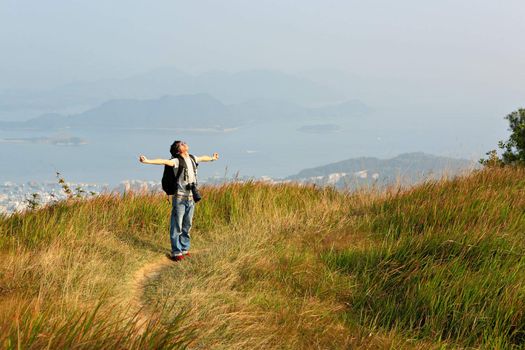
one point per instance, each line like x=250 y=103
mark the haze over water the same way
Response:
x=437 y=77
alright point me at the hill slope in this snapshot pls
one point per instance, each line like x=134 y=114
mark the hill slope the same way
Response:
x=279 y=267
x=406 y=168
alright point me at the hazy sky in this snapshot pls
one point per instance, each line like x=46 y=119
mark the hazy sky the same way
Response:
x=453 y=58
x=442 y=67
x=51 y=42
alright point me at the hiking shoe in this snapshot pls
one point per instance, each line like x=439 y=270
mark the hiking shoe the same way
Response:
x=186 y=253
x=178 y=257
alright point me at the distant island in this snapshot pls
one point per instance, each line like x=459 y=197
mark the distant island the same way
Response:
x=192 y=112
x=235 y=87
x=320 y=128
x=406 y=169
x=56 y=141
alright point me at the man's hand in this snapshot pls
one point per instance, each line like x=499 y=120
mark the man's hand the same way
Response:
x=143 y=159
x=215 y=156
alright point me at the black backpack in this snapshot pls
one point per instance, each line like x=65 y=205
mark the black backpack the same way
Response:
x=170 y=179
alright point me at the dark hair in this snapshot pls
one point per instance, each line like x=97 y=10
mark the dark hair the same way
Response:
x=175 y=148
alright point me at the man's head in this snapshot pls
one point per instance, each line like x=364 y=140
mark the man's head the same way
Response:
x=178 y=147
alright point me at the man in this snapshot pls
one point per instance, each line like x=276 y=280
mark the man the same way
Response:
x=183 y=203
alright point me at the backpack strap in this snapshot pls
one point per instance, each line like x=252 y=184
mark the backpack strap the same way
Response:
x=180 y=168
x=195 y=166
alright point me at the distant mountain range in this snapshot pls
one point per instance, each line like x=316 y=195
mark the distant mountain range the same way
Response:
x=407 y=168
x=189 y=111
x=229 y=88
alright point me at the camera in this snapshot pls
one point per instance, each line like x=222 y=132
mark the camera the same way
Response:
x=194 y=191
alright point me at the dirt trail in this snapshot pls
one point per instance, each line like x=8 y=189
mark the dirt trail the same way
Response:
x=140 y=279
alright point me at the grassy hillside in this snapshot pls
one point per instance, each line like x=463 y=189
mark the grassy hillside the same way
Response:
x=436 y=266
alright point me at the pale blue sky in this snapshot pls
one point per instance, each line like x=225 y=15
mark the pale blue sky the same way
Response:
x=52 y=42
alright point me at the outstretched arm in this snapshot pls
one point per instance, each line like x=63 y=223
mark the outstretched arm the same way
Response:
x=145 y=160
x=208 y=158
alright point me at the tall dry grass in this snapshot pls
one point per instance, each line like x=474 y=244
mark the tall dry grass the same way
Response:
x=258 y=281
x=450 y=263
x=275 y=266
x=62 y=262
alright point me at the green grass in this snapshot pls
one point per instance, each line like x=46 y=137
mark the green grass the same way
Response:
x=450 y=265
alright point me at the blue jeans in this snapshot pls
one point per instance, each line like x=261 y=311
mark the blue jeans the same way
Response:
x=180 y=225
